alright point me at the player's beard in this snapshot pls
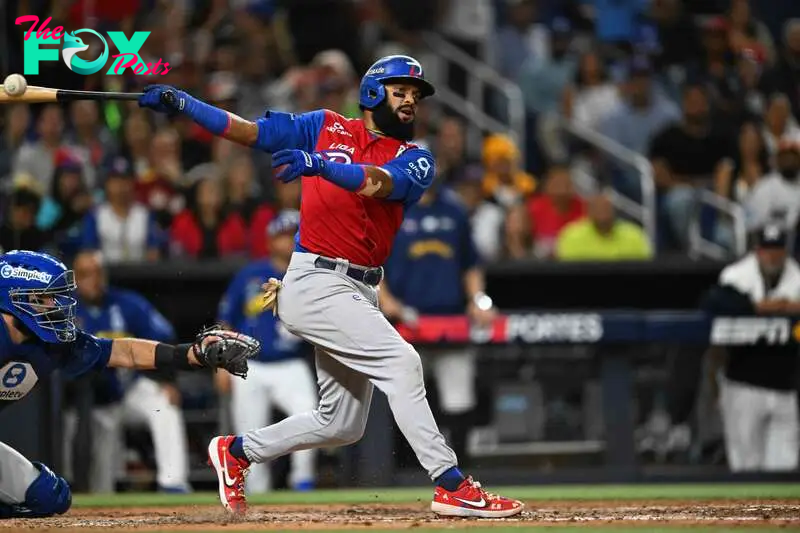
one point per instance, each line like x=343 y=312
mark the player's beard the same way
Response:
x=389 y=123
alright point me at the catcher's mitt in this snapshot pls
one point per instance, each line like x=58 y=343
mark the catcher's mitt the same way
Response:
x=215 y=347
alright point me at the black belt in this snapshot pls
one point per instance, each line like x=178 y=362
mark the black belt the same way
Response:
x=368 y=276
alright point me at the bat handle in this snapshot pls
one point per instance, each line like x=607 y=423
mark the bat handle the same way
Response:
x=168 y=98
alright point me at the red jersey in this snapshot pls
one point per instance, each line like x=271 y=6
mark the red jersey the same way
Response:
x=335 y=222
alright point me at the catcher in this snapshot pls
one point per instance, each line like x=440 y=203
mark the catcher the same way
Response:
x=38 y=335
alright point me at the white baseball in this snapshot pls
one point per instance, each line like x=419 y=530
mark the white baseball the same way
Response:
x=15 y=85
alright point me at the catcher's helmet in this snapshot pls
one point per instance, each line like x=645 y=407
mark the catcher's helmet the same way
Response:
x=391 y=69
x=38 y=289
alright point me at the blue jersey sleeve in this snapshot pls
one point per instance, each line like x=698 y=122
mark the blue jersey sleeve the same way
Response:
x=231 y=305
x=86 y=354
x=144 y=320
x=90 y=239
x=412 y=173
x=280 y=131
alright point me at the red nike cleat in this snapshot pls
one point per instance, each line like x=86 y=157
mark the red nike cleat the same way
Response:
x=470 y=500
x=231 y=472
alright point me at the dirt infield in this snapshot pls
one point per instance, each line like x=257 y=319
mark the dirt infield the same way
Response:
x=772 y=513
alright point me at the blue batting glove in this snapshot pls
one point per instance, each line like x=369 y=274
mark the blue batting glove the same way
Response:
x=298 y=163
x=153 y=99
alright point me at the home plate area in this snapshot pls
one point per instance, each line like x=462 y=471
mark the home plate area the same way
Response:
x=601 y=514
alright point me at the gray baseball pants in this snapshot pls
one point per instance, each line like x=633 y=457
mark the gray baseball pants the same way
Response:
x=356 y=349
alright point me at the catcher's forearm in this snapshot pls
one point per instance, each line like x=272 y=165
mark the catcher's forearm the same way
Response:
x=147 y=355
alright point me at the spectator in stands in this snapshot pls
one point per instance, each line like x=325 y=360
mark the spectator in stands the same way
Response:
x=160 y=187
x=315 y=26
x=89 y=133
x=520 y=40
x=450 y=148
x=39 y=158
x=287 y=197
x=543 y=82
x=748 y=100
x=337 y=84
x=207 y=229
x=715 y=68
x=776 y=196
x=122 y=229
x=403 y=21
x=784 y=77
x=748 y=32
x=686 y=155
x=486 y=216
x=617 y=22
x=547 y=214
x=504 y=181
x=644 y=111
x=591 y=97
x=750 y=165
x=601 y=236
x=779 y=124
x=677 y=36
x=19 y=231
x=257 y=77
x=63 y=211
x=15 y=127
x=758 y=389
x=137 y=138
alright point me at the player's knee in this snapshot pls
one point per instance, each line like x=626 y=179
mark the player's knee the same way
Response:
x=348 y=434
x=49 y=494
x=339 y=431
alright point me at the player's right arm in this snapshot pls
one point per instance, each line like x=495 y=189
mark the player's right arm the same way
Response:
x=273 y=132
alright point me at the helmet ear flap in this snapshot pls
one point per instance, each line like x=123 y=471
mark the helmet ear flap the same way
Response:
x=372 y=93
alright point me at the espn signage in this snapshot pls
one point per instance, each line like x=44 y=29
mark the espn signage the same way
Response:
x=744 y=331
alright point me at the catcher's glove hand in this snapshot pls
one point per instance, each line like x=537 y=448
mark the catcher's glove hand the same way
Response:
x=215 y=347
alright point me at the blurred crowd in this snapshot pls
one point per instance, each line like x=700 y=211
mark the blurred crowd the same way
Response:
x=706 y=90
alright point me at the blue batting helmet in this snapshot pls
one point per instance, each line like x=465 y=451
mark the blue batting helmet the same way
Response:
x=391 y=69
x=38 y=289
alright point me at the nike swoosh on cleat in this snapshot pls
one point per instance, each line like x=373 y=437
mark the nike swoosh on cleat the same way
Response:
x=228 y=480
x=480 y=503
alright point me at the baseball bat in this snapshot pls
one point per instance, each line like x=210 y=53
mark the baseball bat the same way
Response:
x=40 y=95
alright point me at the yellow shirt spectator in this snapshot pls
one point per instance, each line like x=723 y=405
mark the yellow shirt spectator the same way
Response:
x=504 y=180
x=581 y=241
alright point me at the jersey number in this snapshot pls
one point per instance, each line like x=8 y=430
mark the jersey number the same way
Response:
x=420 y=169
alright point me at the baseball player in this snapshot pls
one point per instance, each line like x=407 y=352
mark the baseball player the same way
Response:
x=151 y=398
x=434 y=270
x=38 y=335
x=758 y=388
x=359 y=176
x=279 y=375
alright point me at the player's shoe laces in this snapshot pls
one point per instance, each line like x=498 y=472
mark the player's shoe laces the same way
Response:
x=231 y=472
x=470 y=500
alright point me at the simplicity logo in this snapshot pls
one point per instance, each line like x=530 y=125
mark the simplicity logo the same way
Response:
x=127 y=58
